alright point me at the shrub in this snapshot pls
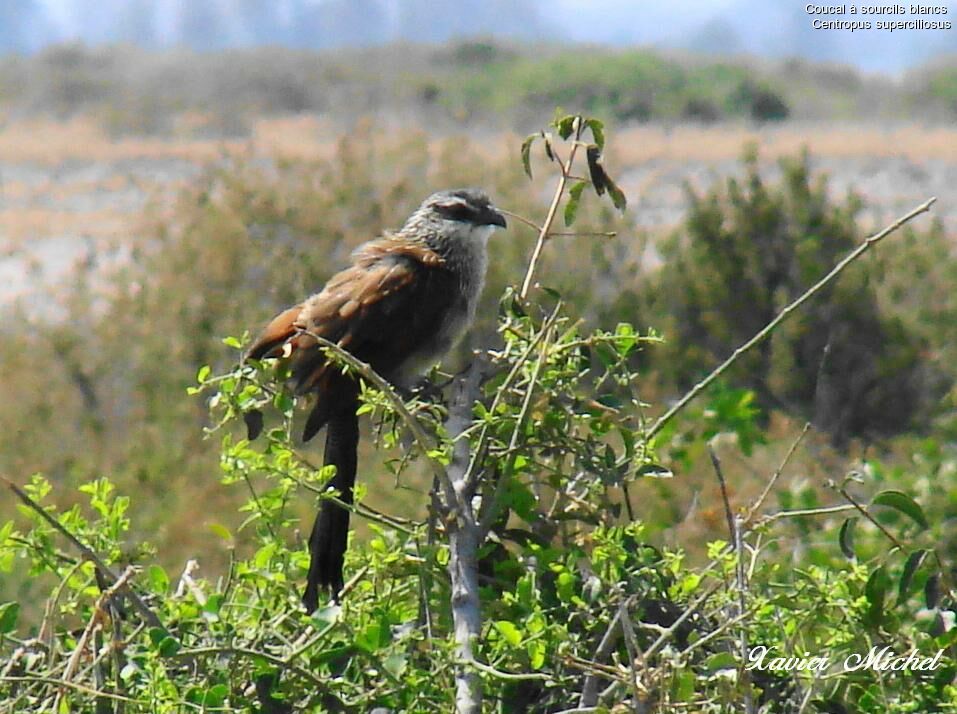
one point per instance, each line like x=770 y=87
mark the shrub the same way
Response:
x=578 y=608
x=761 y=102
x=749 y=249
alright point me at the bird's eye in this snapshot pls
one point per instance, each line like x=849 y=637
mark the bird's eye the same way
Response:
x=455 y=211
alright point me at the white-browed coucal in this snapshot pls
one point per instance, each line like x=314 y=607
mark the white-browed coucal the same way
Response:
x=404 y=301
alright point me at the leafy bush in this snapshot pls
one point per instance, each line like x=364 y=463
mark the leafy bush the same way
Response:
x=746 y=252
x=102 y=385
x=537 y=450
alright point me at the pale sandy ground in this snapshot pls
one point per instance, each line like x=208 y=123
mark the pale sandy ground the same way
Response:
x=67 y=190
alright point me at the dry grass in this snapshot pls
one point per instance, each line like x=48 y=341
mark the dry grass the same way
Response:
x=305 y=137
x=71 y=178
x=723 y=142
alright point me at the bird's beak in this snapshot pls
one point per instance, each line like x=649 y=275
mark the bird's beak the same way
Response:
x=491 y=217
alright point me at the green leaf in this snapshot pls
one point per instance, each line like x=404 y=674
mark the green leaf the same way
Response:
x=159 y=580
x=233 y=342
x=215 y=696
x=168 y=647
x=846 y=538
x=548 y=146
x=876 y=593
x=617 y=195
x=684 y=687
x=327 y=615
x=519 y=497
x=129 y=670
x=157 y=635
x=214 y=604
x=395 y=664
x=536 y=653
x=914 y=561
x=566 y=125
x=721 y=660
x=374 y=636
x=900 y=501
x=203 y=373
x=597 y=132
x=220 y=530
x=625 y=338
x=509 y=632
x=574 y=197
x=9 y=612
x=527 y=153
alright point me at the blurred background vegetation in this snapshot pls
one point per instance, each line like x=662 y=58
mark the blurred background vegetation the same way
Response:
x=156 y=199
x=484 y=83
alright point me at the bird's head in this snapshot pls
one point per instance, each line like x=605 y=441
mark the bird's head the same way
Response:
x=465 y=213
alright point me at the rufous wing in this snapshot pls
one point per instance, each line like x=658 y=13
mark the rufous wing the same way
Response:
x=382 y=309
x=274 y=336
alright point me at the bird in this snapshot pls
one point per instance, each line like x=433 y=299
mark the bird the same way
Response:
x=405 y=300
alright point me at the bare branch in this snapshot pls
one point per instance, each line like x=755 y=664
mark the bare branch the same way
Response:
x=775 y=476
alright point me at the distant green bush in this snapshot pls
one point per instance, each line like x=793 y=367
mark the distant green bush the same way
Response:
x=749 y=248
x=941 y=85
x=629 y=86
x=760 y=102
x=499 y=84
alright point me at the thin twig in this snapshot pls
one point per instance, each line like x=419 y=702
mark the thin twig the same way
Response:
x=521 y=219
x=864 y=512
x=801 y=513
x=252 y=654
x=766 y=331
x=479 y=451
x=634 y=654
x=689 y=611
x=509 y=676
x=86 y=551
x=491 y=509
x=94 y=625
x=585 y=234
x=552 y=212
x=589 y=695
x=724 y=492
x=775 y=476
x=72 y=685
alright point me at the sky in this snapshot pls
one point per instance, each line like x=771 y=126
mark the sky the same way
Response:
x=766 y=28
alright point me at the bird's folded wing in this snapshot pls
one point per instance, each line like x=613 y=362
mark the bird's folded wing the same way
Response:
x=382 y=309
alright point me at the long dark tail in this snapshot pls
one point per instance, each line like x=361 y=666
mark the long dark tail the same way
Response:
x=330 y=532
